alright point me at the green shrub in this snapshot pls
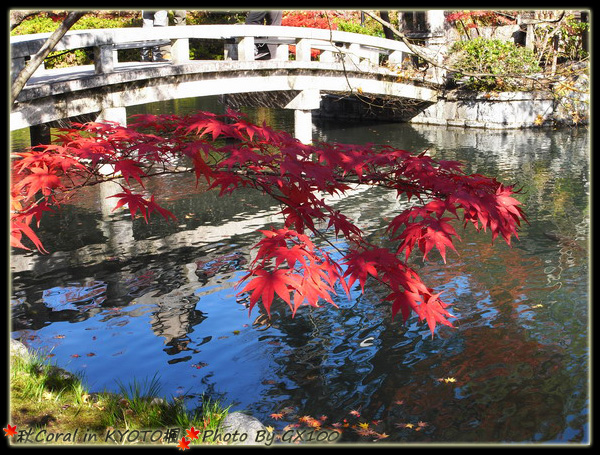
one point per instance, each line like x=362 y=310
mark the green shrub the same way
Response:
x=368 y=28
x=46 y=23
x=503 y=60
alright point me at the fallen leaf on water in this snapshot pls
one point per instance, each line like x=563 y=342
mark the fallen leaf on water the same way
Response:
x=364 y=432
x=405 y=425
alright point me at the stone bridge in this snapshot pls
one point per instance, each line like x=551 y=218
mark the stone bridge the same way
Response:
x=347 y=64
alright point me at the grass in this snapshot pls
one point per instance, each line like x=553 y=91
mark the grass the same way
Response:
x=54 y=407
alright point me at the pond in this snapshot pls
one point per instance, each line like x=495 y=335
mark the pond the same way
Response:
x=119 y=300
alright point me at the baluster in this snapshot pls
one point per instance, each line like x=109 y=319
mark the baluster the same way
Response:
x=180 y=50
x=303 y=47
x=282 y=53
x=246 y=48
x=396 y=58
x=104 y=59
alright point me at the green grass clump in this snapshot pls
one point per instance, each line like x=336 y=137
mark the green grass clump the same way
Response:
x=45 y=397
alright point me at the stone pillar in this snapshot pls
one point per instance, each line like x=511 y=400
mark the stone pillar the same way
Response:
x=303 y=125
x=303 y=105
x=104 y=59
x=282 y=53
x=435 y=25
x=303 y=47
x=180 y=50
x=436 y=43
x=245 y=49
x=530 y=36
x=113 y=114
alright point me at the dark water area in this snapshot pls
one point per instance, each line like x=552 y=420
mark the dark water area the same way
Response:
x=119 y=300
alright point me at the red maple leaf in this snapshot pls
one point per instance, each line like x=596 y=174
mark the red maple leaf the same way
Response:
x=10 y=431
x=291 y=255
x=207 y=122
x=40 y=179
x=129 y=168
x=192 y=433
x=153 y=206
x=405 y=302
x=438 y=233
x=134 y=201
x=183 y=444
x=360 y=265
x=436 y=312
x=266 y=284
x=17 y=229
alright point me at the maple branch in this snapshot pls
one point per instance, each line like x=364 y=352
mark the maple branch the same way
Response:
x=297 y=176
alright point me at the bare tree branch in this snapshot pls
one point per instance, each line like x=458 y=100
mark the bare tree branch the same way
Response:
x=16 y=17
x=422 y=53
x=417 y=50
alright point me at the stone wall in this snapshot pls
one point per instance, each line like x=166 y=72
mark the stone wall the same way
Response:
x=568 y=104
x=494 y=110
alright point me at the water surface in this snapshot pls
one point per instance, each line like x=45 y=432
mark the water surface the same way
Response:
x=119 y=300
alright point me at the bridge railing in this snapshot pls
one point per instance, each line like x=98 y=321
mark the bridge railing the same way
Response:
x=238 y=42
